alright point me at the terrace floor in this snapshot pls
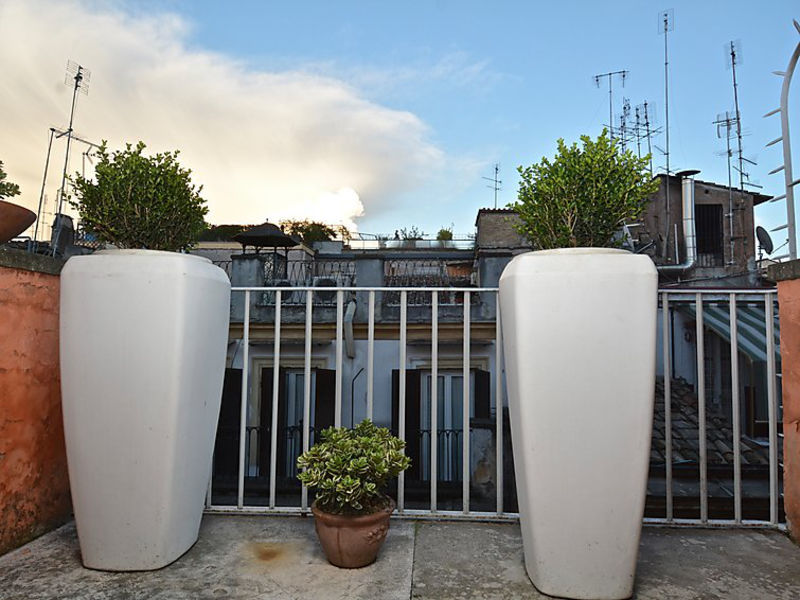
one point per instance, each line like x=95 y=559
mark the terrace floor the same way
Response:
x=279 y=558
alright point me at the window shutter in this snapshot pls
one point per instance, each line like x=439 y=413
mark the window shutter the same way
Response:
x=325 y=400
x=413 y=414
x=226 y=446
x=482 y=393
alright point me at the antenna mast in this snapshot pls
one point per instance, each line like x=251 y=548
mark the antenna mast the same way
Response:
x=610 y=76
x=667 y=20
x=78 y=77
x=726 y=122
x=496 y=183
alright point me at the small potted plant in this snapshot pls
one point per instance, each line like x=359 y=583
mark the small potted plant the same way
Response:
x=349 y=469
x=144 y=330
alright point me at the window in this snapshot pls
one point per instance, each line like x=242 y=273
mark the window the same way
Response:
x=710 y=252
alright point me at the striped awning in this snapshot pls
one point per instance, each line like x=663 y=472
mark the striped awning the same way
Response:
x=751 y=324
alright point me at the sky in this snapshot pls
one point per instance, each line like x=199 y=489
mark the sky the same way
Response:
x=382 y=115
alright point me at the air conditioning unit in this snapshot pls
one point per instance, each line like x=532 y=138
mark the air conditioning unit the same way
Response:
x=325 y=281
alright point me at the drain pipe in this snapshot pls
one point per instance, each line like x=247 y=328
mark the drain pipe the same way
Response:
x=689 y=230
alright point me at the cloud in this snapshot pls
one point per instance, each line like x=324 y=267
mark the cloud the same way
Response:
x=274 y=145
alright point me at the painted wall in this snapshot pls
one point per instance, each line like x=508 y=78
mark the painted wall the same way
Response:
x=789 y=302
x=34 y=487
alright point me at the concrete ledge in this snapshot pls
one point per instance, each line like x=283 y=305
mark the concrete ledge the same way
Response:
x=18 y=259
x=784 y=271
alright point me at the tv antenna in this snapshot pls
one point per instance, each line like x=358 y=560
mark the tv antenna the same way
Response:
x=666 y=20
x=496 y=182
x=610 y=76
x=733 y=51
x=625 y=135
x=78 y=77
x=726 y=124
x=645 y=130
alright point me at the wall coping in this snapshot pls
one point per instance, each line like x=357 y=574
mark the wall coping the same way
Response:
x=26 y=261
x=784 y=271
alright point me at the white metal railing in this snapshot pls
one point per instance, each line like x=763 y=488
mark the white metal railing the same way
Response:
x=670 y=300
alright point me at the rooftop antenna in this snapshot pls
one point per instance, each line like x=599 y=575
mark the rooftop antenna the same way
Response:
x=647 y=112
x=610 y=76
x=624 y=135
x=78 y=77
x=496 y=182
x=734 y=57
x=666 y=24
x=726 y=123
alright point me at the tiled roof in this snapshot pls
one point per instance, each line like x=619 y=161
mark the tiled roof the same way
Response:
x=685 y=432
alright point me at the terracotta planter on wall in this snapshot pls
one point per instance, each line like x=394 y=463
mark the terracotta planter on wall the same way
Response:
x=143 y=343
x=579 y=331
x=352 y=541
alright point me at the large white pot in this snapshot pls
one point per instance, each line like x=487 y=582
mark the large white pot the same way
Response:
x=143 y=343
x=579 y=328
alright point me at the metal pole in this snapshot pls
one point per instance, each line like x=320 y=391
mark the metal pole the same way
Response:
x=41 y=193
x=787 y=150
x=78 y=78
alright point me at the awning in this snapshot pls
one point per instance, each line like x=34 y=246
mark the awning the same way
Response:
x=751 y=324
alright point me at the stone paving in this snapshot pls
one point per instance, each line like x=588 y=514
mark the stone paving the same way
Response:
x=279 y=558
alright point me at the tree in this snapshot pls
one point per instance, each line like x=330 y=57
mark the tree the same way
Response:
x=7 y=189
x=445 y=234
x=140 y=201
x=413 y=233
x=314 y=231
x=583 y=196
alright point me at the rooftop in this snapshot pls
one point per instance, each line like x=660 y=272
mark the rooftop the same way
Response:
x=280 y=558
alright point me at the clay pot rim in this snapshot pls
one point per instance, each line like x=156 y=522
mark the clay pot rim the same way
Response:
x=353 y=520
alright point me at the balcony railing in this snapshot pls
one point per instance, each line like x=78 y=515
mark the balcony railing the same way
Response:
x=702 y=447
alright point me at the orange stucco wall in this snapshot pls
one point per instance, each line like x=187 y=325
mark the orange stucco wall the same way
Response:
x=34 y=487
x=789 y=302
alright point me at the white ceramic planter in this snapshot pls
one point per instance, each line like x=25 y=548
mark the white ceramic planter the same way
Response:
x=143 y=343
x=579 y=328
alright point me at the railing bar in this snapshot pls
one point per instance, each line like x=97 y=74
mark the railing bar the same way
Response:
x=401 y=410
x=498 y=402
x=299 y=288
x=337 y=415
x=307 y=388
x=465 y=459
x=701 y=407
x=666 y=350
x=243 y=405
x=735 y=415
x=371 y=355
x=434 y=396
x=772 y=410
x=276 y=371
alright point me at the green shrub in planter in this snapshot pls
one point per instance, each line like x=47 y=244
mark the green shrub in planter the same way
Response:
x=350 y=468
x=139 y=201
x=583 y=196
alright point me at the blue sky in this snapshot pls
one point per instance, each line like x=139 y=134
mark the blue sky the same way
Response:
x=474 y=83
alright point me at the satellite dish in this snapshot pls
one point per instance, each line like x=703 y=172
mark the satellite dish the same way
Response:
x=764 y=240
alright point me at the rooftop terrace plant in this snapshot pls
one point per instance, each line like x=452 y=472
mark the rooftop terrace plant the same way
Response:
x=583 y=195
x=139 y=201
x=350 y=468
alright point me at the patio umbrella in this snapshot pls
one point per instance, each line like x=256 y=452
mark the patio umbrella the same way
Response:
x=266 y=235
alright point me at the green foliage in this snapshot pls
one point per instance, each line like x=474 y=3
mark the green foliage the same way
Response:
x=141 y=201
x=410 y=234
x=350 y=467
x=583 y=196
x=7 y=189
x=314 y=231
x=445 y=234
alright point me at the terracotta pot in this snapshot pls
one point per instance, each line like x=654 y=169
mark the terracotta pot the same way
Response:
x=352 y=541
x=14 y=219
